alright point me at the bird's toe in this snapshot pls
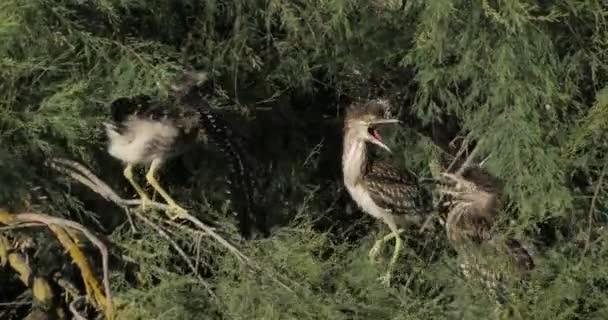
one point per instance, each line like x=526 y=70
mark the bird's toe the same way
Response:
x=145 y=203
x=376 y=250
x=177 y=212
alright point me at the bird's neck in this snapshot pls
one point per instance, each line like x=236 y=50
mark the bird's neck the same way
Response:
x=354 y=158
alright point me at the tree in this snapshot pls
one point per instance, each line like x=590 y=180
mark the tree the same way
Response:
x=524 y=81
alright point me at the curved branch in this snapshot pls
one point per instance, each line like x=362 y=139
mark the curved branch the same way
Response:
x=16 y=219
x=86 y=177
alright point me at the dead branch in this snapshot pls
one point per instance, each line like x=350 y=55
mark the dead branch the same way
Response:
x=86 y=177
x=51 y=222
x=83 y=175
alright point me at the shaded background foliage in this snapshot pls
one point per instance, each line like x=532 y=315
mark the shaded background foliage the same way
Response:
x=525 y=80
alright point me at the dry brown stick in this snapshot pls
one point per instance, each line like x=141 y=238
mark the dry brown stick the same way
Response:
x=11 y=219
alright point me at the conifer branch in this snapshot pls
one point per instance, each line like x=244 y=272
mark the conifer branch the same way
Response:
x=177 y=248
x=596 y=192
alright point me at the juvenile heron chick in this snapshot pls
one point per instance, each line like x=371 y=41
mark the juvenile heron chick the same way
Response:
x=143 y=132
x=474 y=204
x=378 y=188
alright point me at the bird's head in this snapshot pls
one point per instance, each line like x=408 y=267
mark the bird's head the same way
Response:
x=471 y=179
x=363 y=119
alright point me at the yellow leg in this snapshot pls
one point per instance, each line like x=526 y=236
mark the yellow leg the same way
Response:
x=173 y=207
x=128 y=173
x=386 y=279
x=379 y=245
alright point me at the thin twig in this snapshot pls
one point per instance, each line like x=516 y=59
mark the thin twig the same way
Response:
x=461 y=151
x=21 y=226
x=9 y=304
x=73 y=309
x=179 y=250
x=596 y=192
x=87 y=178
x=469 y=159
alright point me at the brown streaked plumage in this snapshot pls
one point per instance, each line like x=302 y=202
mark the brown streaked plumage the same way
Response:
x=377 y=187
x=476 y=200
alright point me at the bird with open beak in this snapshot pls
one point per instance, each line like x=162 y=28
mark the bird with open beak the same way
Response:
x=379 y=188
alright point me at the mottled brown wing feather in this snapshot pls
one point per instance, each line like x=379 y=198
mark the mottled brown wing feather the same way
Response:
x=520 y=255
x=466 y=223
x=392 y=188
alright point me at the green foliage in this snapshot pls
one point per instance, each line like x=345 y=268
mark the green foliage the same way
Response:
x=526 y=80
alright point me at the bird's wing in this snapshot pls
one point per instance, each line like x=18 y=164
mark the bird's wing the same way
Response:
x=465 y=223
x=123 y=107
x=392 y=188
x=523 y=259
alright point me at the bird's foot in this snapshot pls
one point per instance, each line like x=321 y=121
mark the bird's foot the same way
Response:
x=145 y=203
x=375 y=250
x=386 y=279
x=176 y=212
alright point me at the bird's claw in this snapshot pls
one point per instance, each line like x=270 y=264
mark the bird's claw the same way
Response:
x=375 y=250
x=145 y=203
x=176 y=212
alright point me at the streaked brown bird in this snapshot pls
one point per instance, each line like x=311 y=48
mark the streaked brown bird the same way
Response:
x=474 y=203
x=379 y=188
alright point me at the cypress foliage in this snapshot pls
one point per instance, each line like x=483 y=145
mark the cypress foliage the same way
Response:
x=524 y=81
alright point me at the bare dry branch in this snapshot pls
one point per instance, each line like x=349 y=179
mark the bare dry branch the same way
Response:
x=21 y=226
x=86 y=177
x=16 y=219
